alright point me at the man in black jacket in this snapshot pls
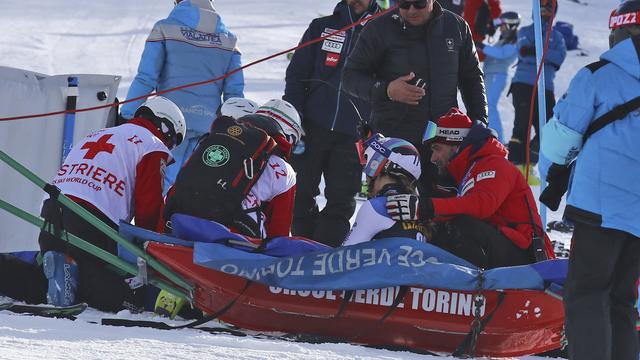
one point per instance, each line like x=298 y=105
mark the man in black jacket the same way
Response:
x=417 y=44
x=330 y=118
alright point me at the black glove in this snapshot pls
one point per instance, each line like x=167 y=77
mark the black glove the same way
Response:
x=558 y=179
x=409 y=207
x=363 y=129
x=528 y=51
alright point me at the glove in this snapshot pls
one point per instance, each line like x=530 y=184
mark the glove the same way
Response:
x=527 y=51
x=479 y=45
x=408 y=207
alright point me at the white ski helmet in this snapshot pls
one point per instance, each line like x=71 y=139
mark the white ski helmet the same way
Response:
x=286 y=116
x=236 y=107
x=167 y=116
x=394 y=156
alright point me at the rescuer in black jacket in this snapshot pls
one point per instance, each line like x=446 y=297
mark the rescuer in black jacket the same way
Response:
x=330 y=117
x=440 y=52
x=408 y=44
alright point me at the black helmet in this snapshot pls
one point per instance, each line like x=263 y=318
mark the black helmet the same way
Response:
x=623 y=20
x=511 y=19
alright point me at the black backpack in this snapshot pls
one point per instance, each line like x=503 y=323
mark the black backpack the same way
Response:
x=220 y=173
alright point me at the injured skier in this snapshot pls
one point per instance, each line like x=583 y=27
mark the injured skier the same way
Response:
x=392 y=167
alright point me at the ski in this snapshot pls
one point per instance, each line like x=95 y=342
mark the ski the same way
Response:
x=5 y=306
x=67 y=312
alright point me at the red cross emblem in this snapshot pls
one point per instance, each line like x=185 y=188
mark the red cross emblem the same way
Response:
x=96 y=147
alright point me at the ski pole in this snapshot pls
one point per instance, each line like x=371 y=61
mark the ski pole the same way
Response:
x=93 y=220
x=90 y=248
x=69 y=116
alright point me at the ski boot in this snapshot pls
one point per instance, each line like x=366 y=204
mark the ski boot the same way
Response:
x=168 y=305
x=62 y=272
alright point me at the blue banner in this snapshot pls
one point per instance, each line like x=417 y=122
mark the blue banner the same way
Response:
x=375 y=264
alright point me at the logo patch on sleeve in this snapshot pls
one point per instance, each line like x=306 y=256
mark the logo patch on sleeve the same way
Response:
x=486 y=175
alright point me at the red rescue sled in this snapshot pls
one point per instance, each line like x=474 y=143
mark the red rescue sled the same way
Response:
x=435 y=320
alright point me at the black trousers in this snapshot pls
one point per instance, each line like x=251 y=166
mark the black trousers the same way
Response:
x=479 y=243
x=600 y=294
x=98 y=285
x=521 y=94
x=22 y=281
x=333 y=155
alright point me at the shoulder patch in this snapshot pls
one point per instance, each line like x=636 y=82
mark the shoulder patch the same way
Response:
x=593 y=67
x=486 y=175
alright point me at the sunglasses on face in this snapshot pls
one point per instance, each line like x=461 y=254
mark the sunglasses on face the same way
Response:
x=405 y=5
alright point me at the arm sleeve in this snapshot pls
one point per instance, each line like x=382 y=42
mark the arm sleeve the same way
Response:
x=147 y=195
x=500 y=52
x=234 y=84
x=557 y=54
x=524 y=40
x=149 y=69
x=472 y=80
x=301 y=68
x=481 y=201
x=358 y=75
x=561 y=139
x=368 y=223
x=279 y=213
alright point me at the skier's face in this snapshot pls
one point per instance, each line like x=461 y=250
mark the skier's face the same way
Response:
x=416 y=12
x=441 y=155
x=359 y=6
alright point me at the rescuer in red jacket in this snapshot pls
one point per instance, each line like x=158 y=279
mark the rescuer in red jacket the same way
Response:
x=493 y=221
x=481 y=16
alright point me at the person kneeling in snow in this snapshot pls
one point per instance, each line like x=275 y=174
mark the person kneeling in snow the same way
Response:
x=392 y=168
x=115 y=174
x=239 y=176
x=494 y=220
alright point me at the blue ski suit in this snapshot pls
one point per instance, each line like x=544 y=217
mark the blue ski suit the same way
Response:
x=190 y=45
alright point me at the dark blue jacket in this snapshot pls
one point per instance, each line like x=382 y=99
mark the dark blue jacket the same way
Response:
x=311 y=68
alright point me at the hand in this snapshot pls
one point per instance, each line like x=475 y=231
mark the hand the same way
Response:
x=527 y=51
x=399 y=90
x=408 y=207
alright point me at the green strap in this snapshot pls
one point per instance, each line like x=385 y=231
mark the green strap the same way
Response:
x=106 y=229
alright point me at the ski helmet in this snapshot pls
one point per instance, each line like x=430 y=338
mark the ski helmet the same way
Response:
x=286 y=116
x=511 y=20
x=393 y=156
x=167 y=116
x=624 y=22
x=237 y=107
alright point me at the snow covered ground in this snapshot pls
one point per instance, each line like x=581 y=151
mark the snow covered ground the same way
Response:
x=107 y=37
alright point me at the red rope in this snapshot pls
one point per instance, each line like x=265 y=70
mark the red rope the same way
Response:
x=310 y=42
x=533 y=96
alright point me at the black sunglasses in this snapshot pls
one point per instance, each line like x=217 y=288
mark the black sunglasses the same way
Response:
x=405 y=5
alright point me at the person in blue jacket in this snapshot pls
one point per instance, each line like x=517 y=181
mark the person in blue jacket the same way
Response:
x=192 y=44
x=330 y=118
x=604 y=196
x=523 y=81
x=498 y=59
